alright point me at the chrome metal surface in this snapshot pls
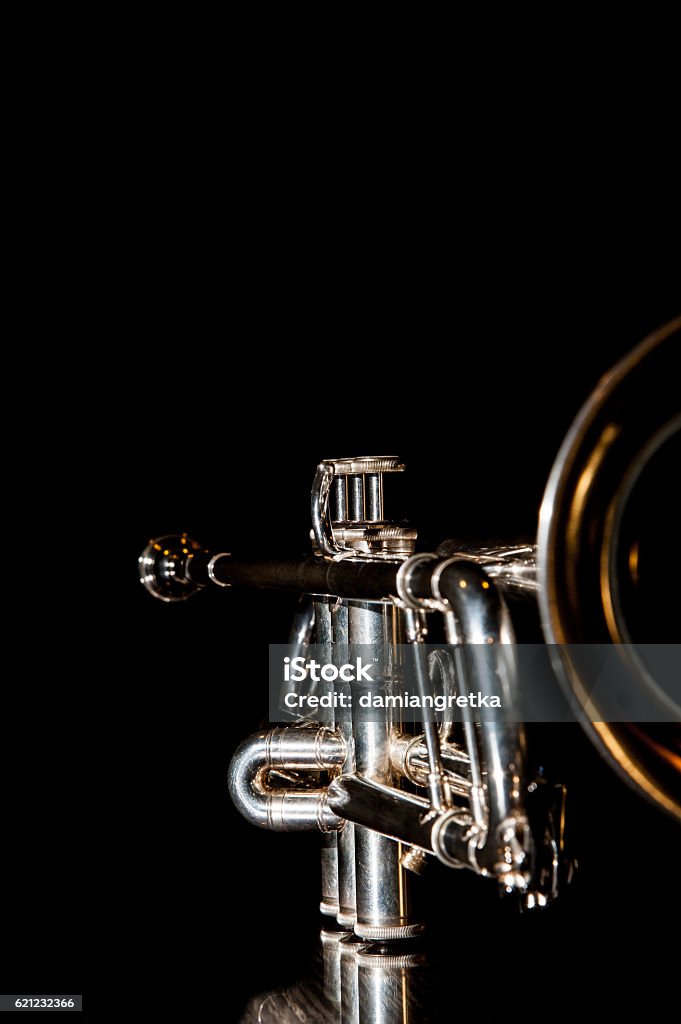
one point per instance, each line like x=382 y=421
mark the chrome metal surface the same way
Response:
x=300 y=637
x=381 y=884
x=358 y=528
x=610 y=444
x=403 y=816
x=476 y=616
x=347 y=897
x=409 y=756
x=374 y=539
x=356 y=982
x=384 y=984
x=162 y=567
x=321 y=612
x=368 y=464
x=437 y=781
x=331 y=964
x=355 y=499
x=373 y=497
x=512 y=567
x=329 y=873
x=289 y=749
x=211 y=568
x=340 y=499
x=322 y=536
x=348 y=948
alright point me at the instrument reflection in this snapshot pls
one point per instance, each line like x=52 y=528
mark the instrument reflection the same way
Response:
x=355 y=982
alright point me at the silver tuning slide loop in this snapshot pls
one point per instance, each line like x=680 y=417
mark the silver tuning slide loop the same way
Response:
x=285 y=750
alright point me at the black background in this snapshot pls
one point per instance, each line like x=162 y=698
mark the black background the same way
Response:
x=126 y=867
x=237 y=256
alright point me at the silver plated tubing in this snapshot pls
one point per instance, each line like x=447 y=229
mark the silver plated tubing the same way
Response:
x=416 y=631
x=348 y=949
x=285 y=810
x=480 y=620
x=347 y=897
x=355 y=499
x=211 y=568
x=321 y=522
x=477 y=613
x=300 y=636
x=373 y=497
x=382 y=905
x=385 y=985
x=329 y=841
x=366 y=985
x=403 y=584
x=345 y=842
x=512 y=567
x=331 y=964
x=409 y=757
x=437 y=783
x=302 y=626
x=340 y=499
x=329 y=870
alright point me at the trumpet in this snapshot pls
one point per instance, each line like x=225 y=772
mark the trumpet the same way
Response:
x=382 y=628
